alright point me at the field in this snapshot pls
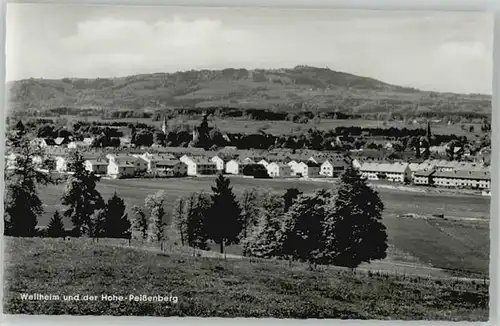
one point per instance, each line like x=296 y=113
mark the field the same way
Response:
x=211 y=287
x=245 y=126
x=440 y=243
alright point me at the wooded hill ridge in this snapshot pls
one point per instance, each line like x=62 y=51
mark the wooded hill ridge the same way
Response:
x=291 y=89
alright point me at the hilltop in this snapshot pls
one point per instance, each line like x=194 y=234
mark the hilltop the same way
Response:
x=293 y=89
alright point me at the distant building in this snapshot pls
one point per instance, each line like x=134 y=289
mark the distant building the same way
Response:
x=395 y=172
x=423 y=177
x=333 y=167
x=41 y=142
x=198 y=165
x=172 y=168
x=460 y=178
x=77 y=144
x=279 y=170
x=310 y=169
x=140 y=165
x=234 y=167
x=153 y=159
x=125 y=141
x=96 y=166
x=249 y=160
x=219 y=162
x=10 y=161
x=356 y=163
x=59 y=141
x=296 y=168
x=61 y=164
x=121 y=168
x=264 y=163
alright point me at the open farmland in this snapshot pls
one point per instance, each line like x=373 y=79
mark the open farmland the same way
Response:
x=210 y=287
x=456 y=245
x=246 y=126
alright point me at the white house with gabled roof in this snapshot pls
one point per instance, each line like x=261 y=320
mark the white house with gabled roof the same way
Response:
x=97 y=166
x=219 y=163
x=278 y=169
x=396 y=172
x=296 y=167
x=197 y=165
x=263 y=162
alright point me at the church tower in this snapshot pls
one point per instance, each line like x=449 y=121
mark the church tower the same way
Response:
x=195 y=134
x=164 y=125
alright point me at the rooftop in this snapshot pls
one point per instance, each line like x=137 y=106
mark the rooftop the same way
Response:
x=424 y=173
x=384 y=167
x=464 y=174
x=97 y=162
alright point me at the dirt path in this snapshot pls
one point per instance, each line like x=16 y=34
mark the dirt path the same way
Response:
x=384 y=266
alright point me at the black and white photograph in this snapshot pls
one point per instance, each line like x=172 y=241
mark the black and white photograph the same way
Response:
x=247 y=162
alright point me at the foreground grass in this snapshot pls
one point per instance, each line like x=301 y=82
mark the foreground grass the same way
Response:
x=213 y=287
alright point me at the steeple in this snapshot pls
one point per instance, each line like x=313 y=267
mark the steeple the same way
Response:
x=164 y=125
x=428 y=130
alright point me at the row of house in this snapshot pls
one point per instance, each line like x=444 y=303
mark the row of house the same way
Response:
x=61 y=142
x=123 y=165
x=456 y=178
x=311 y=167
x=438 y=173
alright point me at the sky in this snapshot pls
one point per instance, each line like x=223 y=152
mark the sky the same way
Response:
x=436 y=51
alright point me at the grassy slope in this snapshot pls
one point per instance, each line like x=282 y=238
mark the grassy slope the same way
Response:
x=211 y=287
x=449 y=245
x=316 y=86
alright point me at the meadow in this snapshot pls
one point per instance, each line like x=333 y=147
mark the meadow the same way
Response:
x=450 y=244
x=214 y=287
x=246 y=126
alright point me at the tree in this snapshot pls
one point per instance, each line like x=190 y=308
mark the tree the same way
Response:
x=197 y=208
x=302 y=227
x=20 y=128
x=22 y=203
x=450 y=150
x=160 y=138
x=55 y=228
x=353 y=230
x=223 y=221
x=249 y=212
x=81 y=196
x=157 y=218
x=97 y=224
x=290 y=196
x=138 y=223
x=117 y=224
x=179 y=218
x=264 y=241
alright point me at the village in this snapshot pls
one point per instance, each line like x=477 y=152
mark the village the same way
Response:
x=307 y=164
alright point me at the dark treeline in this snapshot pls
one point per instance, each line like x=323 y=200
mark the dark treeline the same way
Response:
x=180 y=135
x=255 y=114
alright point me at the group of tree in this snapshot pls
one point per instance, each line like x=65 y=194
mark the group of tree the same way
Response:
x=148 y=223
x=22 y=204
x=217 y=217
x=84 y=205
x=341 y=228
